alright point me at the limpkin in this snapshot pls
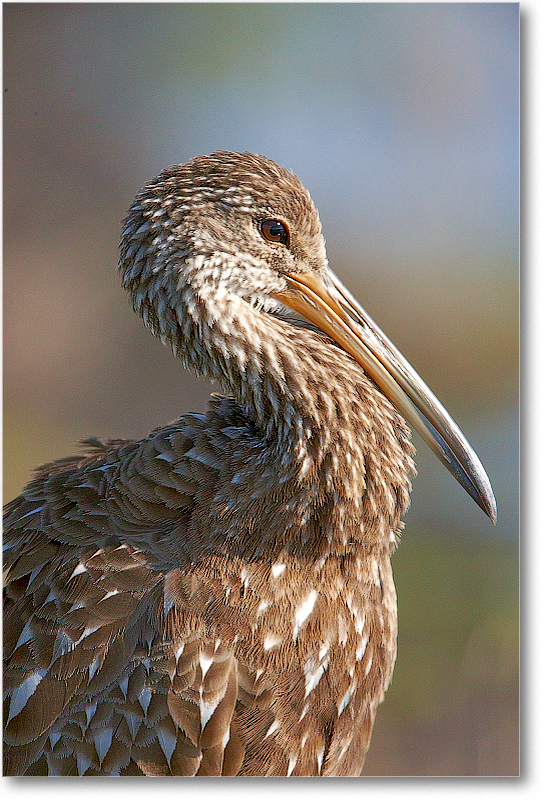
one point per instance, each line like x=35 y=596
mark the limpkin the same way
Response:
x=218 y=597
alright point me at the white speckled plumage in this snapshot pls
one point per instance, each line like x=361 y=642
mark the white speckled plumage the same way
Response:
x=216 y=598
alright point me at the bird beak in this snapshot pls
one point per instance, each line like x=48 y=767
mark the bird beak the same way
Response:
x=323 y=300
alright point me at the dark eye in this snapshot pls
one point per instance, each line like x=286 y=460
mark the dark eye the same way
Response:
x=275 y=231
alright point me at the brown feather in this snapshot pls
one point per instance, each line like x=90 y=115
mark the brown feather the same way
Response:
x=216 y=598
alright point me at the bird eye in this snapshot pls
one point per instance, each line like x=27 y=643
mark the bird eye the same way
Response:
x=275 y=231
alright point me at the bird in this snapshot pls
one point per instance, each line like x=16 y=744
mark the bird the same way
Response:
x=217 y=598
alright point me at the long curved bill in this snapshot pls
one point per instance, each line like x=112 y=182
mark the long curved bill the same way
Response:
x=323 y=300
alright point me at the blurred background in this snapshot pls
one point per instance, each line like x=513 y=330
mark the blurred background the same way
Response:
x=402 y=120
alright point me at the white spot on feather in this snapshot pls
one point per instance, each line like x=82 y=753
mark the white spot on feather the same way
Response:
x=29 y=514
x=262 y=607
x=245 y=577
x=324 y=649
x=34 y=574
x=169 y=601
x=53 y=738
x=342 y=631
x=313 y=674
x=26 y=635
x=22 y=693
x=306 y=465
x=293 y=760
x=271 y=640
x=277 y=569
x=320 y=757
x=205 y=663
x=303 y=612
x=273 y=727
x=368 y=665
x=168 y=742
x=206 y=710
x=133 y=724
x=102 y=742
x=109 y=594
x=361 y=649
x=144 y=698
x=90 y=710
x=87 y=632
x=344 y=749
x=343 y=703
x=94 y=668
x=359 y=621
x=78 y=570
x=179 y=652
x=83 y=763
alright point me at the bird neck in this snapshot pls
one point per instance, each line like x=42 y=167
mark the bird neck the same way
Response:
x=327 y=430
x=298 y=388
x=341 y=451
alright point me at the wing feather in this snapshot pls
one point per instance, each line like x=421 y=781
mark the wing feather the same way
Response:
x=137 y=641
x=103 y=659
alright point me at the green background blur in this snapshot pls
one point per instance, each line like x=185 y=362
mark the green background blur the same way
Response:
x=402 y=120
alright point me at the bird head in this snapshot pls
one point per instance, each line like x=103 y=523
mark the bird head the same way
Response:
x=231 y=225
x=230 y=235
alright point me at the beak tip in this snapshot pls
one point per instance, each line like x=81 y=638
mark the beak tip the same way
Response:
x=487 y=502
x=493 y=512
